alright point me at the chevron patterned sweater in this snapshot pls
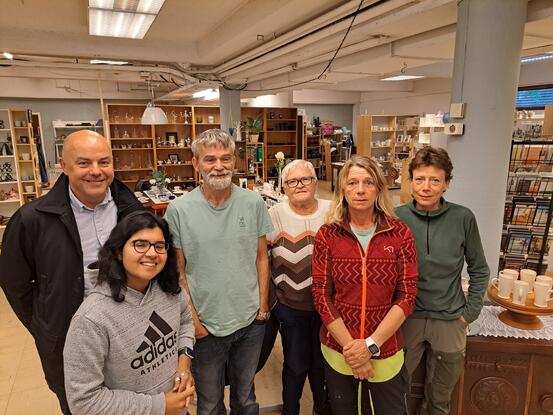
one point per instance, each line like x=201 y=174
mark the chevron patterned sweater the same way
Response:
x=391 y=279
x=291 y=244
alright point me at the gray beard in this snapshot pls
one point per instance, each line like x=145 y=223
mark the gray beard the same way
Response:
x=217 y=183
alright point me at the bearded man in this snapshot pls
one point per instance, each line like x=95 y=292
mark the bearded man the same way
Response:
x=219 y=232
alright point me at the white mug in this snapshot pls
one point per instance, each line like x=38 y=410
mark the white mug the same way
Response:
x=178 y=188
x=528 y=275
x=520 y=292
x=504 y=284
x=542 y=294
x=510 y=271
x=17 y=123
x=546 y=279
x=25 y=156
x=29 y=188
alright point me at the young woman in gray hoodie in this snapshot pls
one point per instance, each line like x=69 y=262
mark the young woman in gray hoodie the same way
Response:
x=129 y=346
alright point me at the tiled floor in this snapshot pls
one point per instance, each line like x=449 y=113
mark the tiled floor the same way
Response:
x=23 y=390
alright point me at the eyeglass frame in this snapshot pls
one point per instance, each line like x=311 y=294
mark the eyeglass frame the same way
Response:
x=166 y=246
x=301 y=180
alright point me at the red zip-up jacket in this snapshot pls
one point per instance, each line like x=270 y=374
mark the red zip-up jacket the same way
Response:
x=390 y=279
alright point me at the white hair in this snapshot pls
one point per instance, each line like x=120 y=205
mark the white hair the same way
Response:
x=210 y=138
x=298 y=163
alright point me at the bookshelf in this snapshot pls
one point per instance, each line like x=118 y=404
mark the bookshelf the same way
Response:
x=389 y=140
x=528 y=206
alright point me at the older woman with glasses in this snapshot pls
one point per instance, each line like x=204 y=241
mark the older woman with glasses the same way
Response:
x=129 y=346
x=296 y=222
x=364 y=286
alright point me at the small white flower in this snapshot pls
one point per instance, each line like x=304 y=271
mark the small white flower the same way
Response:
x=167 y=180
x=279 y=155
x=152 y=181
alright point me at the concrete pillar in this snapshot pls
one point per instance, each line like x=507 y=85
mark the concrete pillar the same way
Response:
x=229 y=104
x=485 y=77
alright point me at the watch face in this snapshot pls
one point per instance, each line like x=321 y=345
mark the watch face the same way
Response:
x=189 y=352
x=373 y=348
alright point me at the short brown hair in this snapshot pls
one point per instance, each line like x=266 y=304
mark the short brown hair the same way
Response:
x=430 y=156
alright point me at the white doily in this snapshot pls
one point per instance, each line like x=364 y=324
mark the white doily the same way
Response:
x=488 y=324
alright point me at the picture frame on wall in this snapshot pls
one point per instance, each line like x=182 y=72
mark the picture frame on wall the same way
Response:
x=174 y=158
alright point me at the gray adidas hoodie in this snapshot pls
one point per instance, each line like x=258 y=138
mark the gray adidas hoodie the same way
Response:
x=121 y=358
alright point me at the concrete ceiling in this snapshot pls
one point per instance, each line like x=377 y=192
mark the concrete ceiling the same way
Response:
x=261 y=45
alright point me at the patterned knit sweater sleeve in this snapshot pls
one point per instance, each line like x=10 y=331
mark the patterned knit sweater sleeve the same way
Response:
x=323 y=286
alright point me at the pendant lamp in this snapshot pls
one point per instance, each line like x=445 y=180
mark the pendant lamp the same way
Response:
x=152 y=114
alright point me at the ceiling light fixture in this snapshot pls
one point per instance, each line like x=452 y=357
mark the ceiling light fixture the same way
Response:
x=536 y=58
x=402 y=77
x=122 y=18
x=202 y=94
x=152 y=114
x=103 y=62
x=8 y=55
x=212 y=95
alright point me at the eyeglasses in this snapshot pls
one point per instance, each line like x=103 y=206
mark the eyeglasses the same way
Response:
x=141 y=246
x=305 y=181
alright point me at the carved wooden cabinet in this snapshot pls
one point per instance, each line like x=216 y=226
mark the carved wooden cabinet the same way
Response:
x=502 y=376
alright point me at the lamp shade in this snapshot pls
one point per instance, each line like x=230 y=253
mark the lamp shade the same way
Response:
x=154 y=115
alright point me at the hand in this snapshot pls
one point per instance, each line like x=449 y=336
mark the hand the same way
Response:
x=356 y=353
x=201 y=332
x=176 y=402
x=183 y=380
x=463 y=320
x=363 y=372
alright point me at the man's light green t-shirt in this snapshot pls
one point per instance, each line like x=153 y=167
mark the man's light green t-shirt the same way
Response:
x=220 y=247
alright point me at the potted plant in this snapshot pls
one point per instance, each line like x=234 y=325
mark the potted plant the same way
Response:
x=160 y=180
x=253 y=127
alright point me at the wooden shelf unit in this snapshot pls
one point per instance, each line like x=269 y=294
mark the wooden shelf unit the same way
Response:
x=140 y=149
x=388 y=139
x=280 y=130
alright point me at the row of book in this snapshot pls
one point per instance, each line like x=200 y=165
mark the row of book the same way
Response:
x=529 y=185
x=523 y=241
x=526 y=211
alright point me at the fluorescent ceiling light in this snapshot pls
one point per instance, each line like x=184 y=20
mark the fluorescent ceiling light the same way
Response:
x=99 y=61
x=122 y=18
x=212 y=95
x=202 y=94
x=8 y=55
x=402 y=77
x=536 y=58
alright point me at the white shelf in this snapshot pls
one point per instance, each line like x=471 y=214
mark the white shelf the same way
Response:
x=5 y=129
x=7 y=157
x=13 y=182
x=10 y=201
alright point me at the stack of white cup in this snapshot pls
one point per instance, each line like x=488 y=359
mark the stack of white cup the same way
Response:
x=507 y=284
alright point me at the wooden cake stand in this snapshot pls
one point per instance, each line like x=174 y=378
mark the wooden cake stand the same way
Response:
x=520 y=316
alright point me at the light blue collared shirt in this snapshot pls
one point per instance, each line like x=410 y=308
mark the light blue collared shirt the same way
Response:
x=94 y=227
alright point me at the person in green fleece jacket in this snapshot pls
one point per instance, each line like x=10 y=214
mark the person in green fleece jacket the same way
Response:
x=446 y=235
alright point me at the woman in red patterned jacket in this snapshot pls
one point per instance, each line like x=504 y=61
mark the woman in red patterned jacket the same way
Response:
x=364 y=286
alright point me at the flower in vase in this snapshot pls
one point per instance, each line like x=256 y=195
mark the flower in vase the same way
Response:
x=280 y=160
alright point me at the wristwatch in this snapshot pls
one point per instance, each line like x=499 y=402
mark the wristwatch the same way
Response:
x=374 y=350
x=187 y=351
x=264 y=315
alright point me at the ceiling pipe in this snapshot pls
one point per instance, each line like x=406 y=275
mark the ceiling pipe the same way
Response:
x=292 y=35
x=327 y=40
x=344 y=62
x=332 y=32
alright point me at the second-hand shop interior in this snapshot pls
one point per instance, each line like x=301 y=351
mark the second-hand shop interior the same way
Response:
x=314 y=79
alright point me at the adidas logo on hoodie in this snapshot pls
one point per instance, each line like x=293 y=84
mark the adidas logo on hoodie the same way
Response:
x=159 y=345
